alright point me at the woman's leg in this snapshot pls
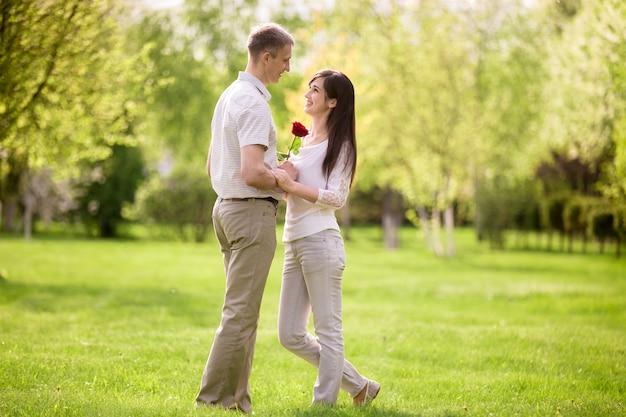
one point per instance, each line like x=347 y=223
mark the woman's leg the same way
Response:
x=312 y=274
x=294 y=310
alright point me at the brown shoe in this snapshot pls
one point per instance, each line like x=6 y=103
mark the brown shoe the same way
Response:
x=367 y=394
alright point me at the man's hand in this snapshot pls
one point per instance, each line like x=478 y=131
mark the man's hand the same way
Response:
x=283 y=179
x=290 y=168
x=289 y=185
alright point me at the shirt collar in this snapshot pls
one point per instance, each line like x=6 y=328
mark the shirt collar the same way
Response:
x=245 y=76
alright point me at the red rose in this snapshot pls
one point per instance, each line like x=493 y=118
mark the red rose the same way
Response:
x=299 y=130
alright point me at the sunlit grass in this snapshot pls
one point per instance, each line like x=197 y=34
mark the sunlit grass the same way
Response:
x=123 y=328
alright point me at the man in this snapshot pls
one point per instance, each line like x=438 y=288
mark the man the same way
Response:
x=240 y=162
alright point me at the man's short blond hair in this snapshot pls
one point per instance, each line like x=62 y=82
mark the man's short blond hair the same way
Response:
x=270 y=37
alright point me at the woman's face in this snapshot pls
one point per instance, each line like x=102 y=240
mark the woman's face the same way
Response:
x=316 y=101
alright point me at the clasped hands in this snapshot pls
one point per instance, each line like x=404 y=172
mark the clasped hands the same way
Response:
x=286 y=175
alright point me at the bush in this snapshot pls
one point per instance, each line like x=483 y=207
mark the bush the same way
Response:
x=552 y=216
x=602 y=226
x=112 y=183
x=183 y=200
x=576 y=218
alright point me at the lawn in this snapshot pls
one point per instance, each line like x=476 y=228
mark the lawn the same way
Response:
x=123 y=328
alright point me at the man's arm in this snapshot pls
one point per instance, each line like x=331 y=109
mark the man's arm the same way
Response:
x=253 y=170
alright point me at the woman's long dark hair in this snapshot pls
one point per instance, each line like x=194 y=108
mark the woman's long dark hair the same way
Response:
x=341 y=121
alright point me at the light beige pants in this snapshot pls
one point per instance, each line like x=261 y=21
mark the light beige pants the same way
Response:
x=312 y=276
x=246 y=232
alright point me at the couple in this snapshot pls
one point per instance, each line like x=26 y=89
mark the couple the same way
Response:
x=243 y=167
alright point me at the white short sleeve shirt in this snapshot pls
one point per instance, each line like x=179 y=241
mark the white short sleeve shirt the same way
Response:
x=242 y=117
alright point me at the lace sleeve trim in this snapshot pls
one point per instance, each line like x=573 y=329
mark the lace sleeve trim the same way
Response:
x=335 y=198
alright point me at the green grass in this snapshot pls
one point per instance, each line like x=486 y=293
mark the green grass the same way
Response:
x=123 y=328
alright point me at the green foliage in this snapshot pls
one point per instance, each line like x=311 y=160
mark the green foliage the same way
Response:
x=69 y=90
x=415 y=130
x=366 y=206
x=92 y=327
x=65 y=83
x=193 y=67
x=451 y=101
x=552 y=212
x=182 y=199
x=511 y=77
x=611 y=23
x=186 y=89
x=576 y=216
x=603 y=220
x=620 y=221
x=502 y=205
x=112 y=184
x=293 y=149
x=586 y=99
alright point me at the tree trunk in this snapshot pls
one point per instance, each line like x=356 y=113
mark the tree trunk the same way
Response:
x=425 y=223
x=478 y=224
x=29 y=208
x=390 y=227
x=9 y=214
x=448 y=221
x=436 y=233
x=30 y=185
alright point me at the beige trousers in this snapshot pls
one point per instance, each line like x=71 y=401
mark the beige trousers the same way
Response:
x=246 y=232
x=312 y=278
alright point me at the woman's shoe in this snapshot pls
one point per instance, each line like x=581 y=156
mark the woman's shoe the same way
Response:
x=367 y=394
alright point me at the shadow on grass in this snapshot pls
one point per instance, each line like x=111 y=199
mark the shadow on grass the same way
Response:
x=124 y=302
x=369 y=411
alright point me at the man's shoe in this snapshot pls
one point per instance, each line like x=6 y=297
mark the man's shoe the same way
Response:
x=367 y=394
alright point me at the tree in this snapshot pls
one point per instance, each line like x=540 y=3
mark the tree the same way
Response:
x=67 y=87
x=64 y=77
x=587 y=98
x=112 y=184
x=511 y=78
x=414 y=96
x=608 y=21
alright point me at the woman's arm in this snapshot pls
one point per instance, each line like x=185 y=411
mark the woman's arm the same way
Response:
x=290 y=186
x=334 y=196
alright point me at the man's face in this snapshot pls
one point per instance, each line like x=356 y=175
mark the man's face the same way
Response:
x=276 y=66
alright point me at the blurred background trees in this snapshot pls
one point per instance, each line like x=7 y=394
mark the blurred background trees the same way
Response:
x=507 y=116
x=69 y=92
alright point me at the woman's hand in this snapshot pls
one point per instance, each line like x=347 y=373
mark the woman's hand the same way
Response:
x=290 y=168
x=283 y=179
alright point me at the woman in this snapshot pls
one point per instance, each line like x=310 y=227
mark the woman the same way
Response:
x=314 y=249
